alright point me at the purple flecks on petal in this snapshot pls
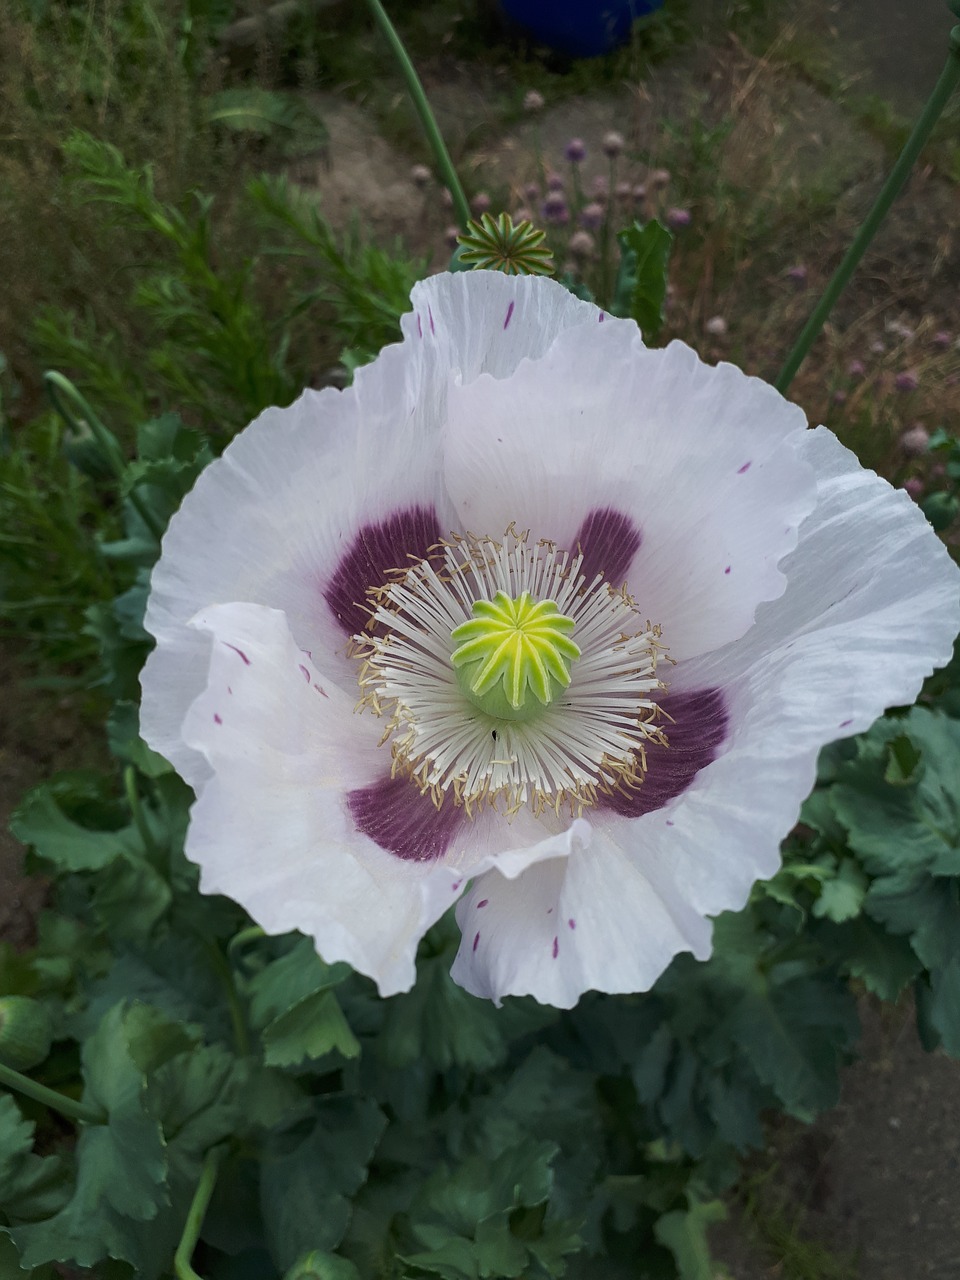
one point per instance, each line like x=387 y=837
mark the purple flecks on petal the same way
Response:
x=246 y=660
x=571 y=923
x=476 y=940
x=482 y=903
x=216 y=718
x=430 y=315
x=306 y=673
x=600 y=318
x=609 y=540
x=845 y=724
x=670 y=822
x=727 y=569
x=396 y=542
x=398 y=818
x=509 y=314
x=556 y=947
x=695 y=732
x=742 y=471
x=419 y=325
x=322 y=692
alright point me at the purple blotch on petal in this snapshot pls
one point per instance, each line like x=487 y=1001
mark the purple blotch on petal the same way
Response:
x=394 y=815
x=246 y=660
x=695 y=732
x=394 y=543
x=572 y=923
x=600 y=318
x=556 y=947
x=727 y=569
x=509 y=314
x=216 y=718
x=609 y=540
x=306 y=673
x=742 y=471
x=482 y=903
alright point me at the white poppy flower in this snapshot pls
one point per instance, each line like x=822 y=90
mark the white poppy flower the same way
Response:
x=353 y=671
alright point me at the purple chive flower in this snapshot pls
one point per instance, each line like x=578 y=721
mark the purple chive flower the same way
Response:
x=877 y=348
x=601 y=187
x=914 y=486
x=659 y=178
x=575 y=151
x=420 y=175
x=678 y=218
x=533 y=100
x=523 y=214
x=555 y=181
x=914 y=441
x=624 y=190
x=592 y=216
x=531 y=192
x=555 y=209
x=480 y=203
x=612 y=144
x=797 y=274
x=716 y=326
x=856 y=369
x=907 y=380
x=942 y=339
x=446 y=199
x=840 y=397
x=450 y=235
x=581 y=244
x=639 y=193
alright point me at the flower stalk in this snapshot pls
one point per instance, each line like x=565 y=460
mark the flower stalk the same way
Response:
x=427 y=119
x=68 y=1107
x=942 y=92
x=182 y=1260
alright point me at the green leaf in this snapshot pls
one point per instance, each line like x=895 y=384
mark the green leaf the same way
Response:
x=307 y=1181
x=264 y=113
x=641 y=287
x=322 y=1266
x=292 y=1002
x=885 y=964
x=841 y=896
x=31 y=1186
x=684 y=1232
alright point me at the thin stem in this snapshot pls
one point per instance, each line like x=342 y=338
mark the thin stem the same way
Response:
x=64 y=396
x=182 y=1259
x=239 y=940
x=50 y=1097
x=949 y=78
x=225 y=974
x=139 y=821
x=425 y=112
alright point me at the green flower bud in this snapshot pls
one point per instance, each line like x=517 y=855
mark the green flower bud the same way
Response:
x=25 y=1032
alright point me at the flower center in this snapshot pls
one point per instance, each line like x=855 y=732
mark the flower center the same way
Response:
x=487 y=698
x=510 y=649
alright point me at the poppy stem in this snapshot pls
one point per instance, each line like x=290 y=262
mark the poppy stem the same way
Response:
x=943 y=90
x=68 y=1107
x=427 y=119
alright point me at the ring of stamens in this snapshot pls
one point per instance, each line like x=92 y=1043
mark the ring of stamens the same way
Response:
x=589 y=741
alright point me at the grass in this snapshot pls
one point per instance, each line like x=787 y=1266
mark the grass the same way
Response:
x=780 y=1228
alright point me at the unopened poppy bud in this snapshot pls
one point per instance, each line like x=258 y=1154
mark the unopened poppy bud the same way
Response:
x=25 y=1032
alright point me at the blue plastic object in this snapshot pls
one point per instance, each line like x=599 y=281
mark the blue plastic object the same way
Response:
x=578 y=28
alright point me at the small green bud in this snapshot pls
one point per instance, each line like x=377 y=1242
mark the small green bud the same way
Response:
x=26 y=1032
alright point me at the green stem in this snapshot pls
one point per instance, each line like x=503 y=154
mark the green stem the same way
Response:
x=50 y=1097
x=949 y=79
x=139 y=821
x=64 y=397
x=239 y=940
x=225 y=974
x=425 y=112
x=182 y=1259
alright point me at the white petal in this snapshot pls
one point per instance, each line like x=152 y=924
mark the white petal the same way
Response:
x=270 y=522
x=602 y=919
x=697 y=460
x=273 y=827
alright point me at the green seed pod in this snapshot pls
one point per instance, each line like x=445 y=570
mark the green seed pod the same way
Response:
x=25 y=1032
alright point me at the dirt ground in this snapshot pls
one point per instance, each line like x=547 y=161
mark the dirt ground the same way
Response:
x=877 y=1180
